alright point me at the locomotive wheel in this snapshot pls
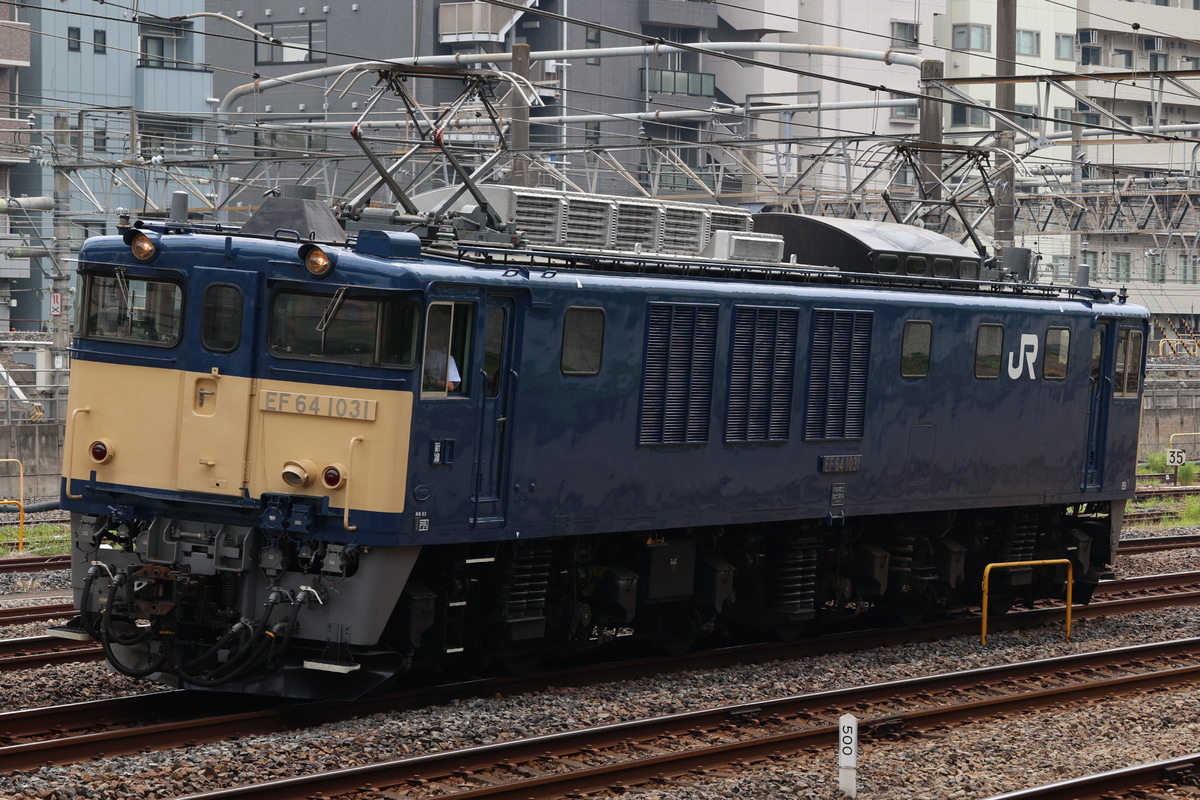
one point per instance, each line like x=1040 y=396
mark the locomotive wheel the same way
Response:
x=676 y=629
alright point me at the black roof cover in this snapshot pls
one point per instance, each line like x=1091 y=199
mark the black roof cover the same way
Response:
x=312 y=219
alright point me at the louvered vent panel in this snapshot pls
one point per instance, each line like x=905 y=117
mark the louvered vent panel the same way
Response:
x=837 y=377
x=678 y=377
x=637 y=227
x=587 y=224
x=725 y=219
x=762 y=373
x=539 y=215
x=685 y=230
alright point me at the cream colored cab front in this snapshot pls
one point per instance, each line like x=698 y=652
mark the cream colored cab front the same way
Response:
x=222 y=435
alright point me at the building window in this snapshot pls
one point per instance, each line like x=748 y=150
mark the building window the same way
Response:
x=972 y=37
x=156 y=137
x=1089 y=56
x=591 y=42
x=301 y=42
x=591 y=134
x=911 y=112
x=100 y=41
x=1121 y=269
x=1063 y=117
x=288 y=143
x=1029 y=43
x=1122 y=58
x=74 y=35
x=1187 y=268
x=962 y=115
x=1158 y=62
x=164 y=45
x=1156 y=269
x=1064 y=46
x=905 y=35
x=100 y=139
x=1028 y=117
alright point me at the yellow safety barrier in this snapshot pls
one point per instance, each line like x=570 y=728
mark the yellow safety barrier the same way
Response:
x=19 y=503
x=1187 y=347
x=21 y=531
x=987 y=573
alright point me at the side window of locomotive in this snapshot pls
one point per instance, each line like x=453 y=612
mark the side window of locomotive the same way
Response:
x=346 y=330
x=221 y=318
x=968 y=269
x=1097 y=356
x=915 y=265
x=447 y=340
x=943 y=268
x=493 y=348
x=915 y=346
x=1128 y=374
x=131 y=309
x=989 y=343
x=1058 y=350
x=583 y=341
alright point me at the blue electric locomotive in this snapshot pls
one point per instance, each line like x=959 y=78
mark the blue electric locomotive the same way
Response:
x=302 y=465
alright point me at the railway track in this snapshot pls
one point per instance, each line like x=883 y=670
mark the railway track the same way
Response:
x=652 y=751
x=1134 y=783
x=23 y=614
x=182 y=717
x=35 y=563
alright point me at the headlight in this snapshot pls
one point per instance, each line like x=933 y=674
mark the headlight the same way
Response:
x=141 y=246
x=298 y=474
x=316 y=261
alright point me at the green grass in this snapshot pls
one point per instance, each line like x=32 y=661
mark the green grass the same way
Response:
x=43 y=539
x=1189 y=514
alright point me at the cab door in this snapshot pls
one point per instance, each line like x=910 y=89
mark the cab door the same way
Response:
x=1100 y=393
x=498 y=380
x=214 y=395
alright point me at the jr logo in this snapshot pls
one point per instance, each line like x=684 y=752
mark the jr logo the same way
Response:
x=1026 y=358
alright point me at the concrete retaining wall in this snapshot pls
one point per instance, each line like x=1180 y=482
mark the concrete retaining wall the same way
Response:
x=39 y=449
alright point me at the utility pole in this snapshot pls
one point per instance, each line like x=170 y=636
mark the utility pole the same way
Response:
x=519 y=129
x=60 y=276
x=1006 y=93
x=929 y=111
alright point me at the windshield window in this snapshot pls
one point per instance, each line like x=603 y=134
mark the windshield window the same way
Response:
x=133 y=309
x=344 y=329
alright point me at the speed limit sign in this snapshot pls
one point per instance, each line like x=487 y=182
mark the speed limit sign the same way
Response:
x=1176 y=458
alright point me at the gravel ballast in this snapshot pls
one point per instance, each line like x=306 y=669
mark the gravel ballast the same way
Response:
x=966 y=761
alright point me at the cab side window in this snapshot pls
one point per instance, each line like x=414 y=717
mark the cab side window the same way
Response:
x=447 y=350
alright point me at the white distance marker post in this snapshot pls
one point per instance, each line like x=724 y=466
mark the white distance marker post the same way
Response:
x=848 y=755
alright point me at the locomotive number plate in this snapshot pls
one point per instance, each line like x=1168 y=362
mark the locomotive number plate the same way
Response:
x=318 y=405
